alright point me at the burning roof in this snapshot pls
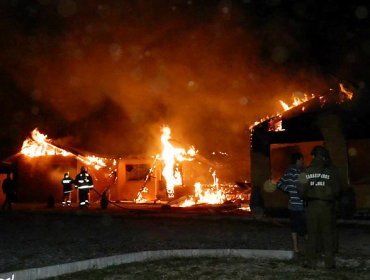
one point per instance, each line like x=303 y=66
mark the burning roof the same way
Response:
x=37 y=145
x=305 y=104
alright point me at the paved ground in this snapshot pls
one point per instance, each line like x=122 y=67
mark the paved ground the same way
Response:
x=41 y=237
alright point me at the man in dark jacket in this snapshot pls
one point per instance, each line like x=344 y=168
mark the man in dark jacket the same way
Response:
x=67 y=183
x=320 y=187
x=288 y=183
x=84 y=183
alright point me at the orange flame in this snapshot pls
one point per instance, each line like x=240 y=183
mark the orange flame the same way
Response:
x=348 y=93
x=171 y=157
x=296 y=101
x=95 y=161
x=206 y=194
x=171 y=171
x=39 y=145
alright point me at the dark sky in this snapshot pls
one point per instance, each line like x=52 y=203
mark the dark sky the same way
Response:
x=104 y=76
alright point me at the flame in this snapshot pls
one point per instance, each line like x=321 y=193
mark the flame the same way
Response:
x=347 y=93
x=95 y=161
x=276 y=125
x=172 y=157
x=296 y=101
x=284 y=105
x=39 y=145
x=139 y=197
x=206 y=194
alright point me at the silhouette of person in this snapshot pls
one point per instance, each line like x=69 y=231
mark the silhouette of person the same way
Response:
x=288 y=183
x=9 y=191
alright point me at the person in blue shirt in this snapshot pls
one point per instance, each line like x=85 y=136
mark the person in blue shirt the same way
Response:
x=288 y=183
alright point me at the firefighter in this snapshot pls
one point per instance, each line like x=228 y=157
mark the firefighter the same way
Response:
x=84 y=183
x=320 y=187
x=67 y=183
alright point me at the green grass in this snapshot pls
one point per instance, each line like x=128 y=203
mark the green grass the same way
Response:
x=218 y=268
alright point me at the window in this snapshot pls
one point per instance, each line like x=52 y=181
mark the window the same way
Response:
x=137 y=172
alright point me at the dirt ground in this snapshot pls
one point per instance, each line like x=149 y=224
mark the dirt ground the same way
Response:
x=40 y=237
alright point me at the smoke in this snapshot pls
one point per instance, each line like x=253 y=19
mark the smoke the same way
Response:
x=116 y=71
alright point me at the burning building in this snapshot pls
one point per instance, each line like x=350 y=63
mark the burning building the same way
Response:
x=181 y=176
x=176 y=174
x=40 y=165
x=335 y=119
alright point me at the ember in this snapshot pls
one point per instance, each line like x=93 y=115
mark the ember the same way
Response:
x=347 y=93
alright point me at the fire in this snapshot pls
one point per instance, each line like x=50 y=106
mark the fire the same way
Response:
x=39 y=145
x=276 y=124
x=172 y=157
x=144 y=189
x=299 y=101
x=347 y=93
x=296 y=101
x=206 y=194
x=95 y=161
x=284 y=105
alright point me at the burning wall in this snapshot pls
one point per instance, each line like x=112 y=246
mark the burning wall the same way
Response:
x=132 y=173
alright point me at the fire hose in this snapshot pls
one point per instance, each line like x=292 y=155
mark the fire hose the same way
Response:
x=103 y=196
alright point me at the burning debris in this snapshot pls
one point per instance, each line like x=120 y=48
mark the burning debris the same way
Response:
x=171 y=159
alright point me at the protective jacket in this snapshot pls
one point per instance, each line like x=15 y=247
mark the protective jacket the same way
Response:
x=67 y=183
x=84 y=181
x=320 y=182
x=320 y=189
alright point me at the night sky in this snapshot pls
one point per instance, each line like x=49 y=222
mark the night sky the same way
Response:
x=104 y=76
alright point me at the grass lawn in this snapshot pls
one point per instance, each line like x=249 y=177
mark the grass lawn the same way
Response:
x=222 y=268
